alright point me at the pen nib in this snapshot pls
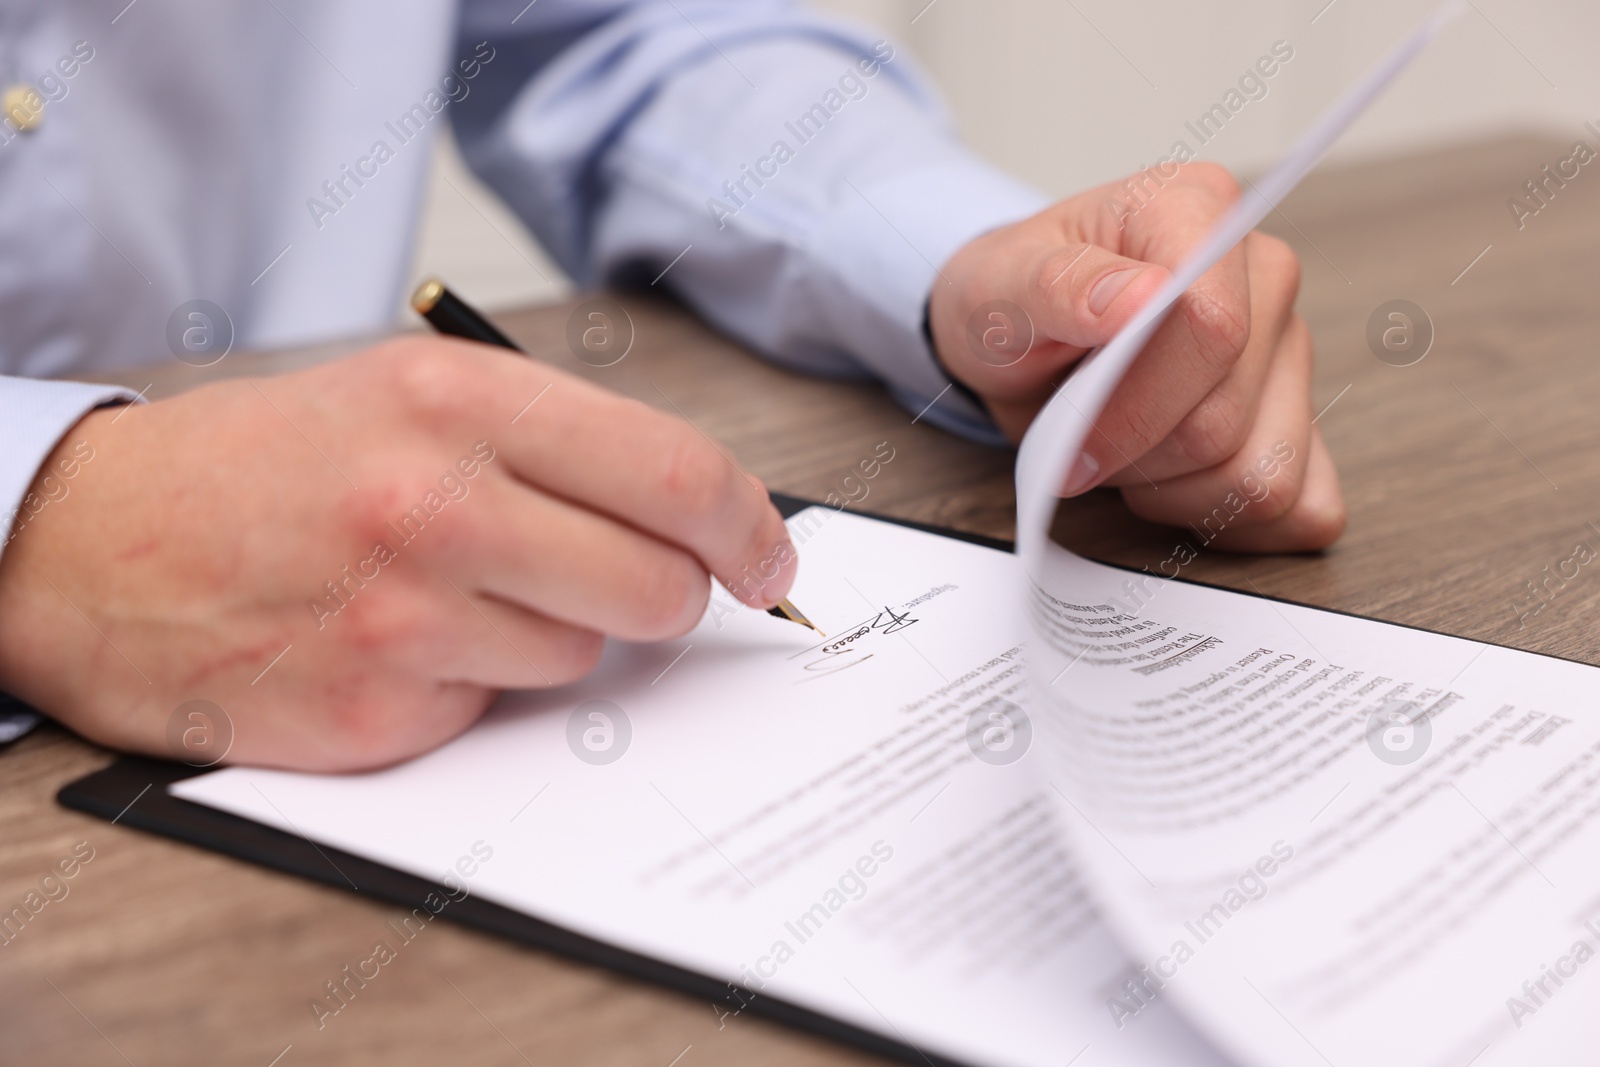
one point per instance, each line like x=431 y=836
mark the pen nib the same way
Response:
x=785 y=610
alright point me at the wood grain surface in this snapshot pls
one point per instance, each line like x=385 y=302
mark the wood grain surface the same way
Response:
x=1467 y=474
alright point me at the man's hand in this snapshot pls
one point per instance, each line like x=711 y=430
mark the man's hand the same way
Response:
x=1218 y=403
x=404 y=523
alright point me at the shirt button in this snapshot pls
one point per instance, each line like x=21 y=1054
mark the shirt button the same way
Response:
x=22 y=107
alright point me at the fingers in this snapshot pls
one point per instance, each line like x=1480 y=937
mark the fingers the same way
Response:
x=1217 y=427
x=610 y=455
x=1027 y=301
x=662 y=476
x=1176 y=217
x=1073 y=298
x=657 y=474
x=583 y=569
x=1201 y=343
x=1083 y=295
x=1278 y=492
x=1311 y=520
x=1075 y=275
x=504 y=646
x=1314 y=521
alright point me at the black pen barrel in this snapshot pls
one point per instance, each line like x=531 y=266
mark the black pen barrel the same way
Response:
x=453 y=317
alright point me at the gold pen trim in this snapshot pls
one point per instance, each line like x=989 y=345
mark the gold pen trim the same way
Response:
x=783 y=609
x=427 y=296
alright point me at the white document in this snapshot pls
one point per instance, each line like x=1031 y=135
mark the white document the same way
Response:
x=1313 y=838
x=807 y=819
x=1327 y=839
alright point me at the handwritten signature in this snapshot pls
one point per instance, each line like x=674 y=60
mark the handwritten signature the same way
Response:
x=848 y=651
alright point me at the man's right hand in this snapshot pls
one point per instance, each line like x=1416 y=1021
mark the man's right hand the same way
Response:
x=404 y=523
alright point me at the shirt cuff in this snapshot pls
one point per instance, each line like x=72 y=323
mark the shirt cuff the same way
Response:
x=888 y=241
x=16 y=719
x=34 y=417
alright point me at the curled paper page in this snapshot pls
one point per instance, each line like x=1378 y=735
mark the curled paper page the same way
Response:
x=1327 y=840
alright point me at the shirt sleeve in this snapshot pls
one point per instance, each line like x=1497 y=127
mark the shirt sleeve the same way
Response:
x=790 y=176
x=34 y=417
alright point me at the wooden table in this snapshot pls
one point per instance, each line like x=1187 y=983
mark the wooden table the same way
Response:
x=1467 y=475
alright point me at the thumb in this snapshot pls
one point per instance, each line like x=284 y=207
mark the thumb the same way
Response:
x=1093 y=294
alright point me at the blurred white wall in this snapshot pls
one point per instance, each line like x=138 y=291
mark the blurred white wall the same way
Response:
x=1070 y=93
x=1067 y=93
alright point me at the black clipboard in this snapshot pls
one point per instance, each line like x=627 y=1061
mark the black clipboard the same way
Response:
x=133 y=791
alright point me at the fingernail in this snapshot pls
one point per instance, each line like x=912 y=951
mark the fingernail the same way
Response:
x=1083 y=474
x=1107 y=289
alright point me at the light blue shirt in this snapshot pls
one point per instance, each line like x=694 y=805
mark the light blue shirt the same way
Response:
x=794 y=170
